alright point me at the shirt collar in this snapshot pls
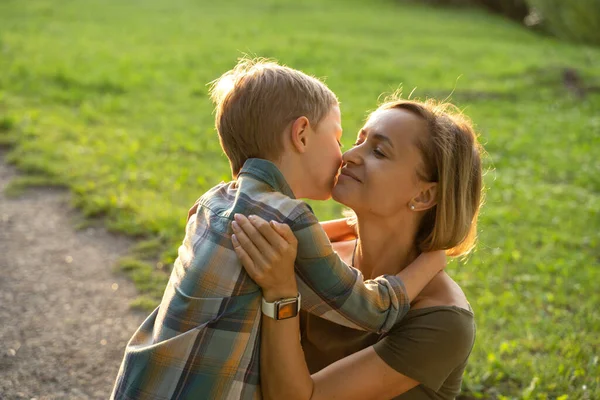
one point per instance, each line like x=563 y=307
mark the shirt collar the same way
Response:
x=267 y=172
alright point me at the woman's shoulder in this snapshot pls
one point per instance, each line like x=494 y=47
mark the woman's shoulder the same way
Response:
x=440 y=321
x=441 y=311
x=434 y=340
x=445 y=325
x=441 y=292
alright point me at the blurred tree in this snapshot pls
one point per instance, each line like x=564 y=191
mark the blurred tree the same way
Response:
x=577 y=20
x=514 y=9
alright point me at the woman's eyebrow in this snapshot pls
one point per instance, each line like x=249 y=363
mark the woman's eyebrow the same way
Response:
x=382 y=138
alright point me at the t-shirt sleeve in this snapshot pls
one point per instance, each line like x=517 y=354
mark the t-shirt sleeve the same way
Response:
x=428 y=347
x=334 y=291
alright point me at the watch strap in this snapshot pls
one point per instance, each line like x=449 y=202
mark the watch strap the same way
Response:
x=281 y=309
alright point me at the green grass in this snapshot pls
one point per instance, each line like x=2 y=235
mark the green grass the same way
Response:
x=109 y=98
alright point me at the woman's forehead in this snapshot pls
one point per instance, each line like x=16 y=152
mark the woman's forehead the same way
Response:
x=395 y=123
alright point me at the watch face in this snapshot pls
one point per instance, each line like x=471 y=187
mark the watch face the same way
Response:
x=287 y=309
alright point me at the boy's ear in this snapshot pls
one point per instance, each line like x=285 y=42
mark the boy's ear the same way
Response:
x=299 y=134
x=426 y=198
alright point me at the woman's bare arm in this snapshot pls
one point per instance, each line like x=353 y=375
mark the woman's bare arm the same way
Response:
x=339 y=230
x=283 y=370
x=362 y=375
x=284 y=373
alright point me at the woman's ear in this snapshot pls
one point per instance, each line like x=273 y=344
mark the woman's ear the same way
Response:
x=426 y=198
x=299 y=134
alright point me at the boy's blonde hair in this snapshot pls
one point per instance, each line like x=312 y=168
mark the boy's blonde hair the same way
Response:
x=257 y=100
x=452 y=158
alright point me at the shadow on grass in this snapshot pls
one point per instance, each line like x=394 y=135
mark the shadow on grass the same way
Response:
x=557 y=80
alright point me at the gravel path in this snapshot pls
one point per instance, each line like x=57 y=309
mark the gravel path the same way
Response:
x=64 y=316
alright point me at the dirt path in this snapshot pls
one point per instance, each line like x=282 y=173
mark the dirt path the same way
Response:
x=64 y=316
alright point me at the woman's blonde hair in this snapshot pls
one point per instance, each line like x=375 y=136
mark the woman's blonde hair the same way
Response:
x=452 y=158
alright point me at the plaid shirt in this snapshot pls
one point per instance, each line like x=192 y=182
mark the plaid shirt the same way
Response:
x=203 y=341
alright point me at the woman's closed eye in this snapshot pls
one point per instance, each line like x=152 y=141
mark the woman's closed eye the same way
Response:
x=378 y=153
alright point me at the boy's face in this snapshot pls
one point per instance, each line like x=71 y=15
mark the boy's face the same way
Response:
x=324 y=156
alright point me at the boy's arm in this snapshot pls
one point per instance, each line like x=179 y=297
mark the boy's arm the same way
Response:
x=421 y=271
x=332 y=290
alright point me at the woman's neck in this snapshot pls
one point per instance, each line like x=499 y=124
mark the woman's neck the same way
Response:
x=386 y=246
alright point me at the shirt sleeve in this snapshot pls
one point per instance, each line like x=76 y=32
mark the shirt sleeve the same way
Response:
x=428 y=348
x=337 y=292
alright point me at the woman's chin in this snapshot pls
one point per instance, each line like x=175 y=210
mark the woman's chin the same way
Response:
x=339 y=193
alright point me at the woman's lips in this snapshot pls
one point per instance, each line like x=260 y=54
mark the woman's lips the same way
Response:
x=349 y=174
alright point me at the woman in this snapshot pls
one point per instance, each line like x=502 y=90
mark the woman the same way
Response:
x=414 y=181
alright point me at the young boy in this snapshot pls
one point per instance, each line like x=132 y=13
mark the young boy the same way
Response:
x=281 y=131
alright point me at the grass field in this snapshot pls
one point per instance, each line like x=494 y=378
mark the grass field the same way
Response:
x=109 y=99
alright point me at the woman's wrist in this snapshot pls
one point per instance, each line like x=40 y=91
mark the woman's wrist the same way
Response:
x=272 y=295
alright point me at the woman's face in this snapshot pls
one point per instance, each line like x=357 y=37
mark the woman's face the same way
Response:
x=379 y=173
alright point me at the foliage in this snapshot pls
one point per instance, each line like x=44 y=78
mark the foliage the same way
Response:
x=577 y=20
x=514 y=9
x=109 y=98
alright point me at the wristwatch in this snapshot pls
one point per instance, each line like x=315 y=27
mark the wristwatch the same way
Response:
x=282 y=309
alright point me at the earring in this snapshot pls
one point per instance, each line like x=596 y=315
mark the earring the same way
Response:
x=412 y=207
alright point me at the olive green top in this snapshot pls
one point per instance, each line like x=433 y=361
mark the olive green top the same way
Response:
x=430 y=345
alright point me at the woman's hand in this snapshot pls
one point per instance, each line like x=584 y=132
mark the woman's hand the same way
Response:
x=267 y=251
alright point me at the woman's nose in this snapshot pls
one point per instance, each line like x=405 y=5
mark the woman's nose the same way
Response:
x=352 y=156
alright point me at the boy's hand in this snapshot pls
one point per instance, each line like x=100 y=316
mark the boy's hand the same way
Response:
x=421 y=271
x=267 y=252
x=436 y=259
